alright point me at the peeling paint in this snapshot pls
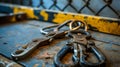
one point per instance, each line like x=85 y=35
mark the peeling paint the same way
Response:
x=96 y=22
x=44 y=14
x=102 y=24
x=28 y=11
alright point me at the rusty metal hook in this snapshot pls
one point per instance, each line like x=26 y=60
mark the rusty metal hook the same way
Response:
x=97 y=53
x=66 y=49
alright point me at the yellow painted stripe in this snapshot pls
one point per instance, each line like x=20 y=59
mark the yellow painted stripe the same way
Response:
x=28 y=11
x=44 y=15
x=102 y=25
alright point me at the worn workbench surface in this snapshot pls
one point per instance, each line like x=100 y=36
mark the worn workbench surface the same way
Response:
x=14 y=35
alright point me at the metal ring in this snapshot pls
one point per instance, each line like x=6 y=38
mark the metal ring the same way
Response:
x=45 y=32
x=65 y=23
x=71 y=25
x=60 y=26
x=88 y=35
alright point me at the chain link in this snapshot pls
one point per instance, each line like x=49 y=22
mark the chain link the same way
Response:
x=69 y=4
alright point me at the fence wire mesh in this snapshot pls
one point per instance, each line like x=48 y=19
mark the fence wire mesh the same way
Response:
x=106 y=8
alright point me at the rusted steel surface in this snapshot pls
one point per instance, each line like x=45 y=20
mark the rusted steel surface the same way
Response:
x=15 y=35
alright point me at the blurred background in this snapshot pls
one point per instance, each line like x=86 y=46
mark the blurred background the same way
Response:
x=105 y=8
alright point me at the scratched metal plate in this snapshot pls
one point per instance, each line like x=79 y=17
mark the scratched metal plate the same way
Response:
x=14 y=35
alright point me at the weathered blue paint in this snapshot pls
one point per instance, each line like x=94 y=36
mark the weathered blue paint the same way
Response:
x=5 y=9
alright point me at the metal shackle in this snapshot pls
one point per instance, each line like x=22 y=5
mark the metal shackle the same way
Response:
x=74 y=21
x=66 y=49
x=99 y=55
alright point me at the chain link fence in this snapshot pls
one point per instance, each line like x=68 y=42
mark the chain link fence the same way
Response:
x=106 y=8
